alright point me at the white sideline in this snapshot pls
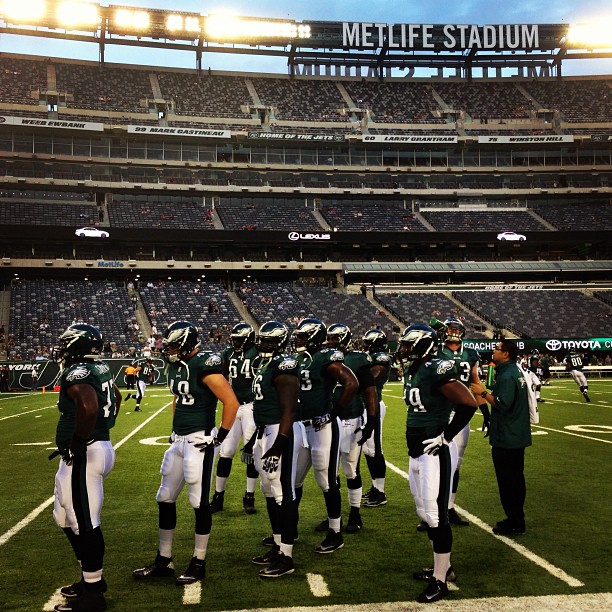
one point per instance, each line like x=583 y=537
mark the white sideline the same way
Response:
x=519 y=548
x=5 y=537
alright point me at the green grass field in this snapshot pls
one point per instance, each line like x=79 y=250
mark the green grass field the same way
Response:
x=567 y=550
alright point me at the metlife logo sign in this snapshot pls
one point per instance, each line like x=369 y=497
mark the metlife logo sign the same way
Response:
x=297 y=236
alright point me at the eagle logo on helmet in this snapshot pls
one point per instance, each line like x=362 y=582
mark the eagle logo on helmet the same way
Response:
x=273 y=337
x=339 y=336
x=417 y=342
x=310 y=334
x=79 y=341
x=180 y=340
x=242 y=337
x=375 y=340
x=455 y=330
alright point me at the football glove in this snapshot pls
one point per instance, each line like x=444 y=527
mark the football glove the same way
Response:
x=366 y=432
x=247 y=450
x=432 y=446
x=171 y=438
x=271 y=459
x=77 y=448
x=212 y=440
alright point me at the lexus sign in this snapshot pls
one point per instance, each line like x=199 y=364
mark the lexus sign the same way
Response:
x=298 y=236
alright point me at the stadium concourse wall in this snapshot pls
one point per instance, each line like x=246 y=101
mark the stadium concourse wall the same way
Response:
x=47 y=373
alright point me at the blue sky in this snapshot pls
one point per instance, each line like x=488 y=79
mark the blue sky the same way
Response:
x=479 y=12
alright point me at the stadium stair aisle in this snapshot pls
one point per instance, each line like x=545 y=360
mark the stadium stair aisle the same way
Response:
x=242 y=309
x=143 y=318
x=5 y=308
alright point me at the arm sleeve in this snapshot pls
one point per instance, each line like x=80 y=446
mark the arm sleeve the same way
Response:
x=365 y=377
x=462 y=417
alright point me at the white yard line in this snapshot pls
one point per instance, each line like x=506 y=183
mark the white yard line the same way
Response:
x=571 y=433
x=12 y=416
x=544 y=603
x=522 y=550
x=5 y=537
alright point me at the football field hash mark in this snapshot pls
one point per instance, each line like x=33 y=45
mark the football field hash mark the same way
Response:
x=318 y=586
x=192 y=594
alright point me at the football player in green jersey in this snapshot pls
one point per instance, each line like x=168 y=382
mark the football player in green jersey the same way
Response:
x=321 y=369
x=197 y=382
x=145 y=375
x=466 y=362
x=432 y=392
x=88 y=403
x=238 y=362
x=375 y=344
x=357 y=421
x=278 y=442
x=573 y=364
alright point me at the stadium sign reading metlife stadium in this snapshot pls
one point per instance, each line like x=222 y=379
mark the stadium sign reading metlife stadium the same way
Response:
x=451 y=37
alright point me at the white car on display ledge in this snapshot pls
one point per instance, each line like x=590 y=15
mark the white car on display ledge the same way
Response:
x=91 y=232
x=511 y=236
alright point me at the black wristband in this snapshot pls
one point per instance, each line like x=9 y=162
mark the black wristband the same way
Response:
x=462 y=417
x=222 y=434
x=281 y=442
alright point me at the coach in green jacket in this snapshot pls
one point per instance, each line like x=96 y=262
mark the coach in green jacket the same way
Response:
x=510 y=434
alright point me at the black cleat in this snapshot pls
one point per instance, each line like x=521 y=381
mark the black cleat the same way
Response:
x=333 y=541
x=216 y=505
x=137 y=409
x=367 y=494
x=540 y=399
x=508 y=527
x=435 y=591
x=88 y=602
x=427 y=574
x=508 y=530
x=76 y=588
x=323 y=526
x=268 y=541
x=267 y=558
x=587 y=398
x=375 y=498
x=248 y=503
x=355 y=523
x=162 y=567
x=422 y=526
x=196 y=571
x=281 y=567
x=455 y=519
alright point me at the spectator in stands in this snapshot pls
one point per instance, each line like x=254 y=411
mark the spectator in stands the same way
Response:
x=4 y=379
